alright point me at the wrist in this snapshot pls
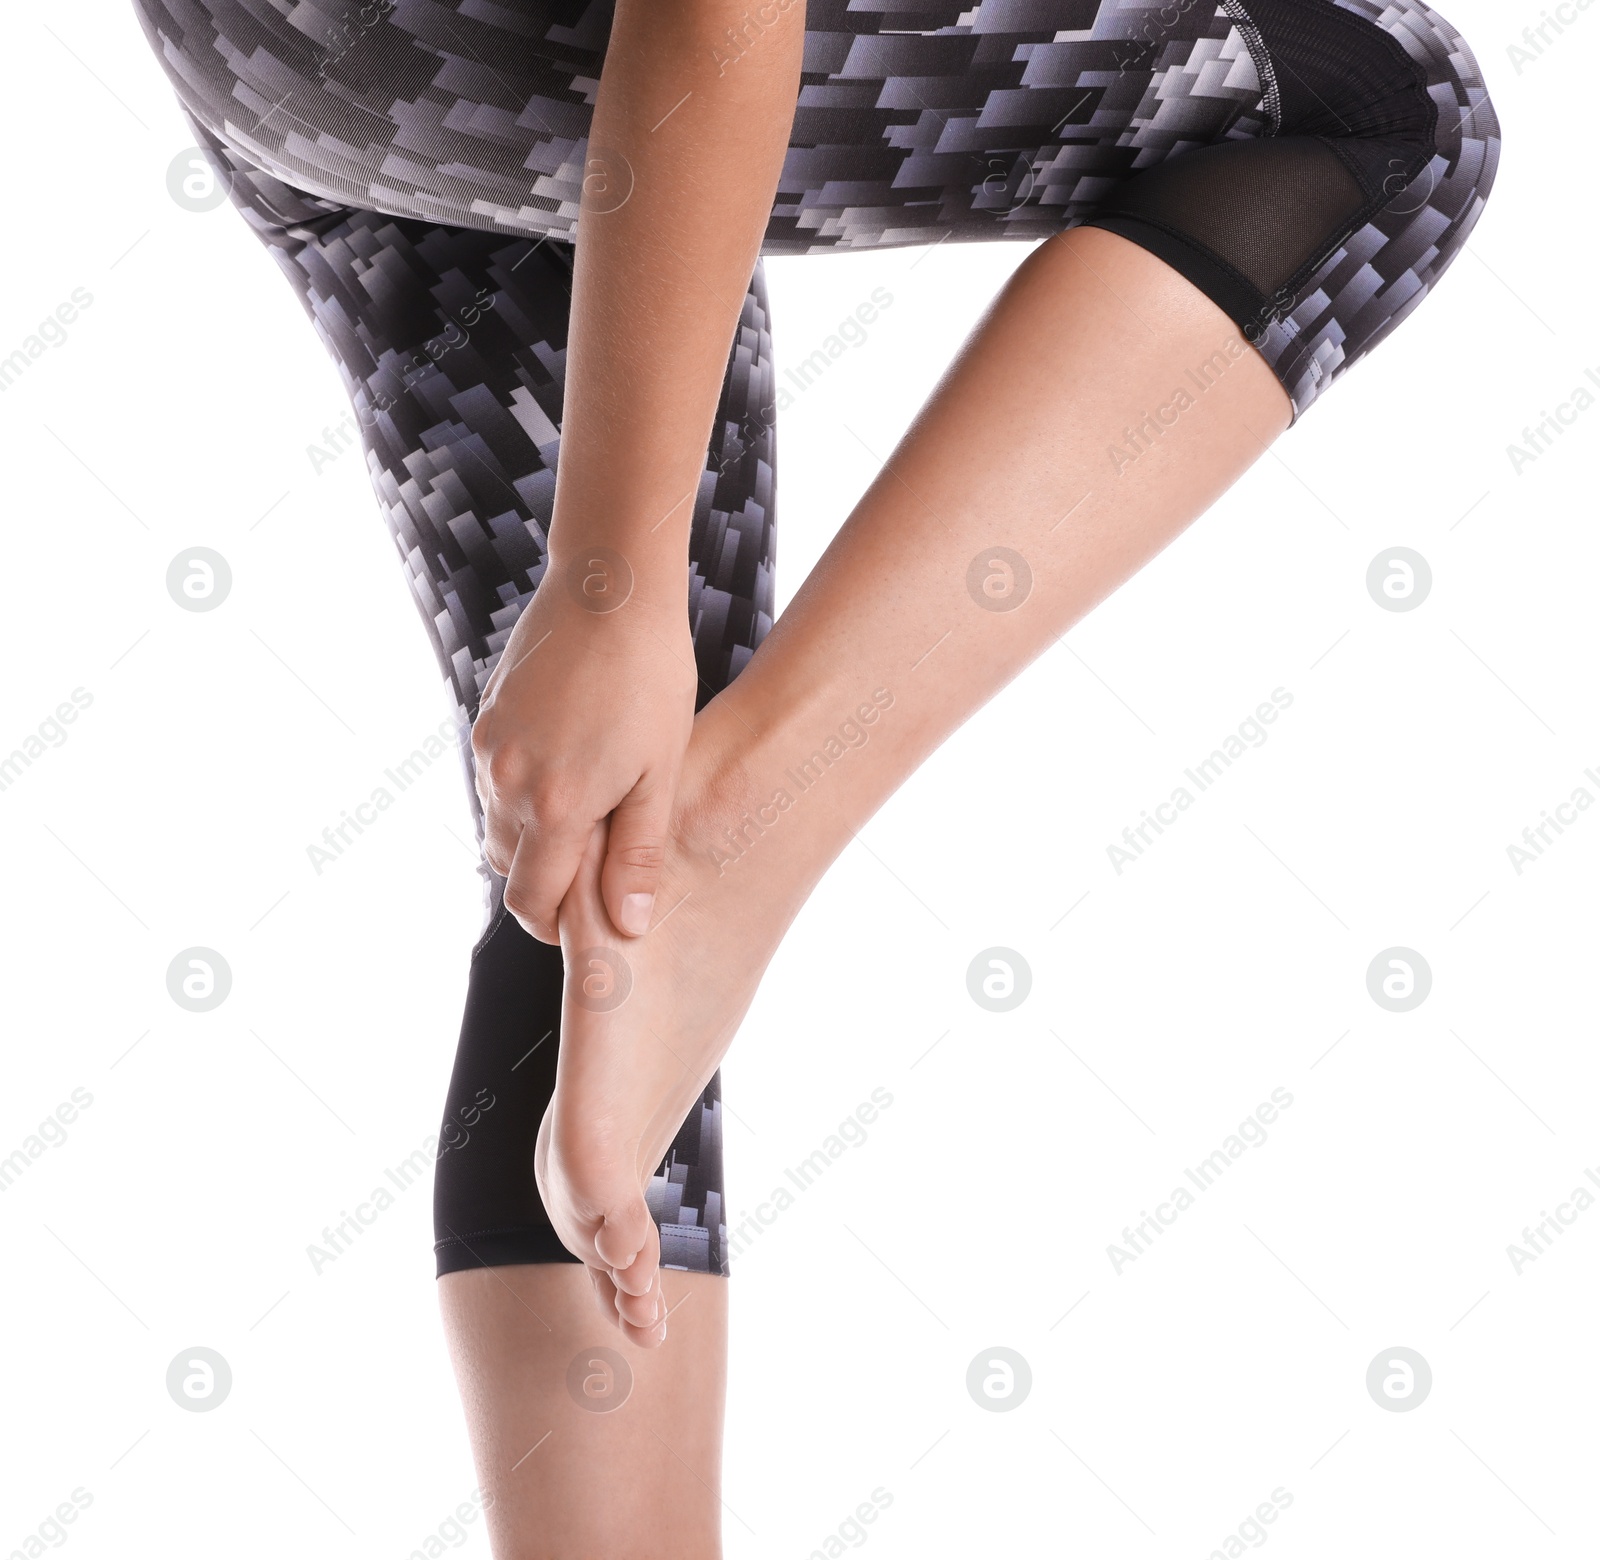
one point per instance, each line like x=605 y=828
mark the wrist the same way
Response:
x=646 y=523
x=619 y=587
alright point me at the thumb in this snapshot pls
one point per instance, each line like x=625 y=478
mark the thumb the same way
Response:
x=635 y=849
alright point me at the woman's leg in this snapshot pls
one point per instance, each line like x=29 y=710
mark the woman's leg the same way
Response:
x=1105 y=402
x=1102 y=405
x=584 y=1444
x=451 y=345
x=1053 y=462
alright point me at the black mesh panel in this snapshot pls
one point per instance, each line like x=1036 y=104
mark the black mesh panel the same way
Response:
x=1262 y=207
x=1248 y=220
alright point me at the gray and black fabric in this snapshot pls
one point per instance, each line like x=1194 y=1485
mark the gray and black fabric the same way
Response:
x=415 y=167
x=452 y=344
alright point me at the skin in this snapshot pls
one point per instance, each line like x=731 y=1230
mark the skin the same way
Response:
x=887 y=643
x=636 y=1482
x=612 y=808
x=1090 y=334
x=589 y=711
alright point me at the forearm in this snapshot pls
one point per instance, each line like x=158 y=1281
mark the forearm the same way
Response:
x=684 y=155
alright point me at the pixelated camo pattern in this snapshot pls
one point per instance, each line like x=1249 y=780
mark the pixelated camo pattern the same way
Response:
x=917 y=121
x=415 y=167
x=1379 y=274
x=451 y=343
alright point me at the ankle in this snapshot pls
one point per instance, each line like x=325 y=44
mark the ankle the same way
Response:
x=726 y=809
x=782 y=800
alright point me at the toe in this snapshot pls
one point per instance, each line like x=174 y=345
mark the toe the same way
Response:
x=646 y=1310
x=626 y=1242
x=606 y=1293
x=643 y=1273
x=646 y=1337
x=642 y=1319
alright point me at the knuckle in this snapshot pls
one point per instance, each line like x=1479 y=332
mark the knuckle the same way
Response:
x=520 y=900
x=501 y=834
x=504 y=764
x=483 y=740
x=646 y=855
x=552 y=799
x=497 y=851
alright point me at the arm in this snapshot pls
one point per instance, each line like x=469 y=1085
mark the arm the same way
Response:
x=589 y=711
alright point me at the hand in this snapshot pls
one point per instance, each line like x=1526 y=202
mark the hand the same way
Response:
x=587 y=715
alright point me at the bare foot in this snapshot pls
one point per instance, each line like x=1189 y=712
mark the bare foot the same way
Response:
x=646 y=1021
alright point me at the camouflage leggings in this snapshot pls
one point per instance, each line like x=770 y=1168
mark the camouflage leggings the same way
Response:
x=414 y=167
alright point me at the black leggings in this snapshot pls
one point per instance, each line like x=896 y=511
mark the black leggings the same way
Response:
x=415 y=168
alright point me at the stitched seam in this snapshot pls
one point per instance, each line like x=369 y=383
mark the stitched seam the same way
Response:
x=1266 y=71
x=1351 y=23
x=1352 y=225
x=483 y=942
x=1425 y=151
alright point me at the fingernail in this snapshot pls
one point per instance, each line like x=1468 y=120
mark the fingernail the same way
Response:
x=636 y=910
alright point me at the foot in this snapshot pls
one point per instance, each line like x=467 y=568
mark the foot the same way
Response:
x=646 y=1021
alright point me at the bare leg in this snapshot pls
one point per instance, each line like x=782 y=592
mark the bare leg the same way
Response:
x=891 y=644
x=625 y=1480
x=1090 y=336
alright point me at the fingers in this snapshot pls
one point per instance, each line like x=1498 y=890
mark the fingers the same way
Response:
x=634 y=853
x=542 y=869
x=535 y=827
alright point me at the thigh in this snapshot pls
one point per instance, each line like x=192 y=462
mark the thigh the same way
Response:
x=1004 y=120
x=584 y=1444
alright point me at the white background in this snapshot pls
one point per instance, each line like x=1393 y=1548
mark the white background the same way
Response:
x=1230 y=960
